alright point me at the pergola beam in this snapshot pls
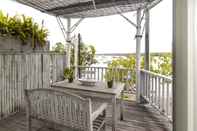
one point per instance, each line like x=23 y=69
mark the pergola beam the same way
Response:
x=149 y=7
x=61 y=26
x=76 y=24
x=127 y=19
x=142 y=17
x=67 y=36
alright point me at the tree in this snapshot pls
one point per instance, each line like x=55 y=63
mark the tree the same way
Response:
x=160 y=63
x=87 y=53
x=59 y=47
x=128 y=63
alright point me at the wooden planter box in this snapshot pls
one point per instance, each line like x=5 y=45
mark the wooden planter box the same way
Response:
x=13 y=44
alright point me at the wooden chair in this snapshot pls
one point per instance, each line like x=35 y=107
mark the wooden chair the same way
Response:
x=65 y=109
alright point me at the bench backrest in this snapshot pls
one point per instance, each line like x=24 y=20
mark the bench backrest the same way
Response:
x=59 y=107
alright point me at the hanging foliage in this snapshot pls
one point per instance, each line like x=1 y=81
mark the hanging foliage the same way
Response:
x=23 y=28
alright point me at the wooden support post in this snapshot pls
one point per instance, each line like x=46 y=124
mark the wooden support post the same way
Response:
x=79 y=43
x=76 y=57
x=147 y=45
x=68 y=40
x=147 y=50
x=138 y=55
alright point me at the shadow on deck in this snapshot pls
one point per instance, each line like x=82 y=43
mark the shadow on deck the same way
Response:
x=136 y=118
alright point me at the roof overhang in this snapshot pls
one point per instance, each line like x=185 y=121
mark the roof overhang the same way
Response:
x=87 y=8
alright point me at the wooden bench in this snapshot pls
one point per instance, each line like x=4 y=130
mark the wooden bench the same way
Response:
x=64 y=108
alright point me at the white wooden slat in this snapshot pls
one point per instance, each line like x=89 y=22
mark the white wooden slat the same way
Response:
x=163 y=95
x=1 y=88
x=1 y=93
x=143 y=83
x=22 y=73
x=16 y=83
x=156 y=90
x=167 y=100
x=12 y=85
x=3 y=85
x=6 y=85
x=1 y=97
x=159 y=93
x=149 y=86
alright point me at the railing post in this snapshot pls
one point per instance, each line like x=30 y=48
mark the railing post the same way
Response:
x=163 y=94
x=152 y=89
x=142 y=83
x=159 y=93
x=156 y=90
x=167 y=99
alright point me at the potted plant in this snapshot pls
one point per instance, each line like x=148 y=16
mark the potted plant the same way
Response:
x=69 y=74
x=109 y=79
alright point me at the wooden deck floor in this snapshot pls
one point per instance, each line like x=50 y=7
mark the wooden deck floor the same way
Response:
x=136 y=118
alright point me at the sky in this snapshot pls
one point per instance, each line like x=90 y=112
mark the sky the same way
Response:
x=109 y=34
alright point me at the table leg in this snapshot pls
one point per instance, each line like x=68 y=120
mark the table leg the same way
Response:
x=122 y=106
x=114 y=114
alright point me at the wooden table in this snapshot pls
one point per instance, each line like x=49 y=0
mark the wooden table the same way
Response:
x=100 y=91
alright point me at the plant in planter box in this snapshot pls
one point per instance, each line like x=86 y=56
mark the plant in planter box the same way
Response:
x=23 y=28
x=69 y=74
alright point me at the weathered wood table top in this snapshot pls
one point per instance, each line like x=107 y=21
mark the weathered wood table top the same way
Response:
x=99 y=87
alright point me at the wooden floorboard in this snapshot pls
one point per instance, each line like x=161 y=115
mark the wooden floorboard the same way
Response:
x=136 y=118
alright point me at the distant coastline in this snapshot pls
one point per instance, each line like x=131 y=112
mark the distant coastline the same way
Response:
x=129 y=54
x=103 y=59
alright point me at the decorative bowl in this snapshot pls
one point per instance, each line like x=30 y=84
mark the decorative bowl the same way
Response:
x=87 y=82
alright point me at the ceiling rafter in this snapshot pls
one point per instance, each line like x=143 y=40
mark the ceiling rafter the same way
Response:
x=87 y=8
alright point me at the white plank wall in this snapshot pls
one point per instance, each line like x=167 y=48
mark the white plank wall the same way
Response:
x=31 y=70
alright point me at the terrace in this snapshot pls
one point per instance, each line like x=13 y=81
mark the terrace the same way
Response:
x=48 y=67
x=150 y=109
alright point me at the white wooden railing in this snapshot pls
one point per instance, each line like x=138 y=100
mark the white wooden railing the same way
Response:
x=157 y=90
x=99 y=73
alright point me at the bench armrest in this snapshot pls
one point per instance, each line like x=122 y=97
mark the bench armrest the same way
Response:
x=98 y=109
